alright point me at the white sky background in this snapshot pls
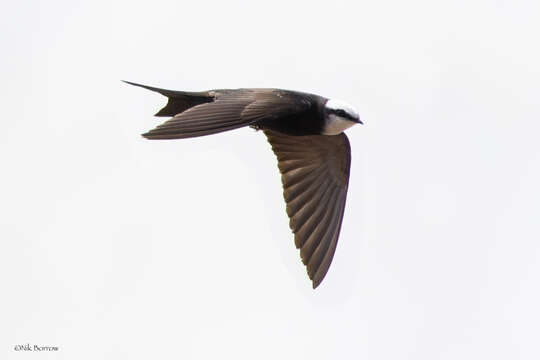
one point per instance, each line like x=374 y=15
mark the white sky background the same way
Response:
x=118 y=247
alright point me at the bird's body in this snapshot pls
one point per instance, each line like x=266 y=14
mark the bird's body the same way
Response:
x=305 y=119
x=306 y=134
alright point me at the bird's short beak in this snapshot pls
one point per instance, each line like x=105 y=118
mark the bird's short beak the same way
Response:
x=359 y=122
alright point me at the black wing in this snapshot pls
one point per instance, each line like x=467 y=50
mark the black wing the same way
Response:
x=315 y=176
x=227 y=110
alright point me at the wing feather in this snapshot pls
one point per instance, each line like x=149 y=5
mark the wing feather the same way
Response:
x=316 y=235
x=315 y=175
x=294 y=190
x=324 y=241
x=228 y=109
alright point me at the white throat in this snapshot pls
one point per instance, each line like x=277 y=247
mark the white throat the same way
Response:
x=335 y=125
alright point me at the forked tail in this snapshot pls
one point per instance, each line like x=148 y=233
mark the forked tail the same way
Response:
x=179 y=101
x=202 y=113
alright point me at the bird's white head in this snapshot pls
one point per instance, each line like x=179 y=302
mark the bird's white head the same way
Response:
x=338 y=116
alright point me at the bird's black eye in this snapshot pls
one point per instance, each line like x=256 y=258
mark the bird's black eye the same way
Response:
x=342 y=113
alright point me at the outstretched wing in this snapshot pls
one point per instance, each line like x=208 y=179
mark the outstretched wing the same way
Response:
x=315 y=176
x=229 y=109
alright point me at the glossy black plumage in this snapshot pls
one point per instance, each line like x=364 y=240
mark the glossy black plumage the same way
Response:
x=314 y=167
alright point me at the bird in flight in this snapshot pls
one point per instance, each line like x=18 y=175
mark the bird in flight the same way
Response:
x=306 y=134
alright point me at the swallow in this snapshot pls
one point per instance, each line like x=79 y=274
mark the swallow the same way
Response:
x=306 y=134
